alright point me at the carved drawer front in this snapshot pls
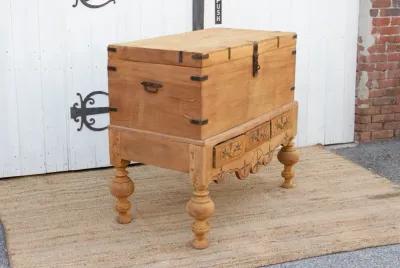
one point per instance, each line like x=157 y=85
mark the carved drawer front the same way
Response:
x=258 y=136
x=229 y=150
x=281 y=123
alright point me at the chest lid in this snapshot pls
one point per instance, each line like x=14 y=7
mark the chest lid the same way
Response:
x=202 y=48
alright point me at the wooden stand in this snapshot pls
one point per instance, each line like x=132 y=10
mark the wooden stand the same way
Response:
x=241 y=150
x=288 y=156
x=122 y=187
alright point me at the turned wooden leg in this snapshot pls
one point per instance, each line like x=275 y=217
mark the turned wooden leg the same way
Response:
x=201 y=208
x=200 y=205
x=122 y=187
x=288 y=156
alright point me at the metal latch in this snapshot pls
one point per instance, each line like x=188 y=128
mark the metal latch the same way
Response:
x=256 y=66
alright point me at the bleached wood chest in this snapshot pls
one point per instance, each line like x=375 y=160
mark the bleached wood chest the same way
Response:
x=207 y=103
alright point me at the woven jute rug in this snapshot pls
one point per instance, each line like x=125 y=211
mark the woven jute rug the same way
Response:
x=67 y=220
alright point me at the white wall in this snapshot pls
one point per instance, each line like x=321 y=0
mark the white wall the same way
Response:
x=49 y=51
x=326 y=57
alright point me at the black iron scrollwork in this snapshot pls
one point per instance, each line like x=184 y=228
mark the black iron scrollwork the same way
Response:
x=80 y=114
x=87 y=4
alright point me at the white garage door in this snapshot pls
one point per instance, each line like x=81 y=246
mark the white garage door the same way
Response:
x=326 y=57
x=50 y=51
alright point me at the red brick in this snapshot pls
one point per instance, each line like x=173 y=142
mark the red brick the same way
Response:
x=368 y=111
x=387 y=66
x=389 y=109
x=377 y=58
x=372 y=84
x=373 y=12
x=363 y=136
x=389 y=12
x=368 y=127
x=394 y=57
x=382 y=134
x=382 y=39
x=381 y=21
x=392 y=91
x=397 y=133
x=363 y=119
x=381 y=3
x=389 y=83
x=390 y=30
x=383 y=101
x=376 y=75
x=382 y=118
x=380 y=48
x=376 y=93
x=393 y=47
x=393 y=73
x=365 y=67
x=359 y=102
x=362 y=59
x=395 y=21
x=397 y=117
x=392 y=125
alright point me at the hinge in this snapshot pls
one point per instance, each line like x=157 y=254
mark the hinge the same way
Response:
x=199 y=56
x=180 y=57
x=199 y=122
x=256 y=66
x=112 y=49
x=199 y=78
x=112 y=68
x=83 y=111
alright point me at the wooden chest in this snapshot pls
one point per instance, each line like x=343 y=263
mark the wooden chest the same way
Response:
x=199 y=84
x=208 y=103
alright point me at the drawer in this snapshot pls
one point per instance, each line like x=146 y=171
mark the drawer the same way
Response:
x=232 y=149
x=229 y=150
x=258 y=136
x=280 y=124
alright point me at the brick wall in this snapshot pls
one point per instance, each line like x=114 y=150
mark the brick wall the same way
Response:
x=378 y=71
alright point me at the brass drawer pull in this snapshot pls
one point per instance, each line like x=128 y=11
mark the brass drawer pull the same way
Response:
x=151 y=87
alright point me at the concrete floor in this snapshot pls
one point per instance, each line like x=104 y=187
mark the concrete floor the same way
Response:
x=381 y=157
x=3 y=250
x=380 y=257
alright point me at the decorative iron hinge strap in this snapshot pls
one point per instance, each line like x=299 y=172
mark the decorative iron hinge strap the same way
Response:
x=199 y=122
x=180 y=57
x=111 y=68
x=199 y=56
x=112 y=49
x=256 y=66
x=199 y=78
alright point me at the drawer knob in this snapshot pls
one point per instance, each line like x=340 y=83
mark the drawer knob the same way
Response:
x=151 y=87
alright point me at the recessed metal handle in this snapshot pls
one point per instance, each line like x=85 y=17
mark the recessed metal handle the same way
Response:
x=151 y=87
